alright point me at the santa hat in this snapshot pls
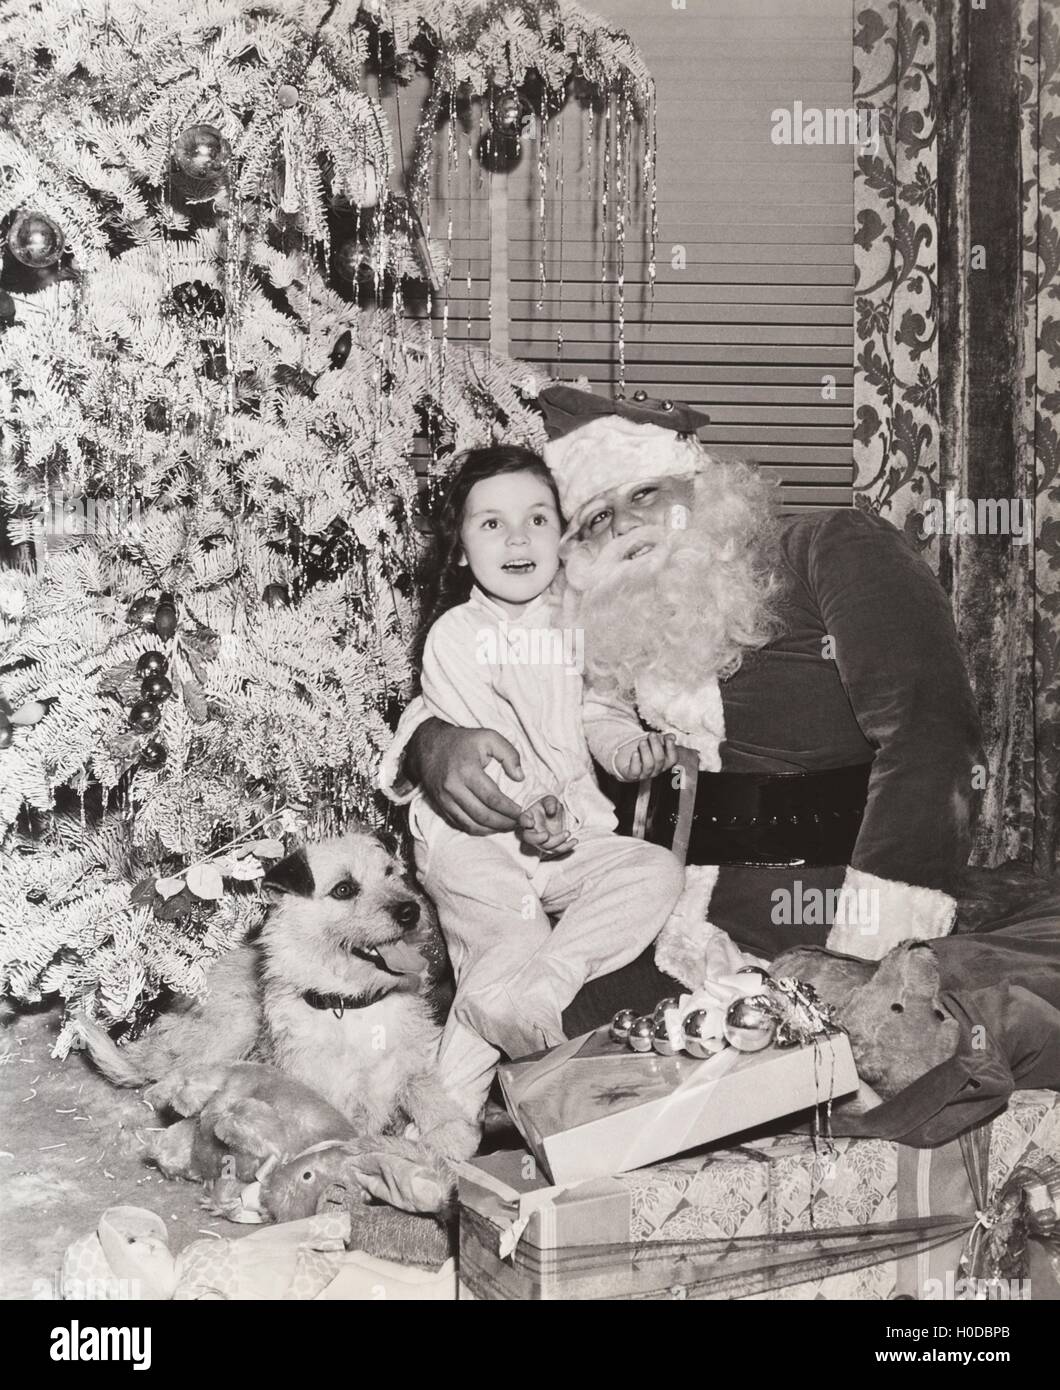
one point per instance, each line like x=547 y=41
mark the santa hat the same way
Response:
x=609 y=452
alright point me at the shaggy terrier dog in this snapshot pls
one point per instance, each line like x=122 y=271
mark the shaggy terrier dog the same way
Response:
x=331 y=993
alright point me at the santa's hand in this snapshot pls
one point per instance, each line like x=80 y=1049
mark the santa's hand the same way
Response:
x=649 y=756
x=542 y=827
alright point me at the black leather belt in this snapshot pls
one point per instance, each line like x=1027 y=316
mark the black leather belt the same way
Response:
x=810 y=818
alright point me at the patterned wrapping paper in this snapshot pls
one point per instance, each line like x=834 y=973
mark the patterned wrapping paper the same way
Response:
x=638 y=1235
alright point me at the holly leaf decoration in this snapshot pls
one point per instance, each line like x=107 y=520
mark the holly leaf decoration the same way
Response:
x=143 y=894
x=195 y=699
x=203 y=641
x=266 y=849
x=195 y=665
x=179 y=905
x=246 y=870
x=111 y=681
x=205 y=881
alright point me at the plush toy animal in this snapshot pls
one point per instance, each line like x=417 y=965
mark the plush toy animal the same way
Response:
x=898 y=1027
x=413 y=1224
x=247 y=1121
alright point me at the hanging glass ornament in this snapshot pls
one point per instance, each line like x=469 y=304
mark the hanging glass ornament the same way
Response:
x=276 y=596
x=341 y=351
x=142 y=612
x=153 y=754
x=348 y=259
x=750 y=1023
x=144 y=716
x=361 y=187
x=287 y=96
x=156 y=687
x=155 y=415
x=509 y=112
x=35 y=240
x=165 y=619
x=151 y=664
x=201 y=152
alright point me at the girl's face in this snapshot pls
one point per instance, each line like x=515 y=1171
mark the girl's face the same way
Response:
x=510 y=537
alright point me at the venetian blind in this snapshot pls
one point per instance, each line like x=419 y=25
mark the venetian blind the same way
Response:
x=752 y=312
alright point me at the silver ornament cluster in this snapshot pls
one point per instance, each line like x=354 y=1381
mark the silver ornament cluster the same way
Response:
x=786 y=1013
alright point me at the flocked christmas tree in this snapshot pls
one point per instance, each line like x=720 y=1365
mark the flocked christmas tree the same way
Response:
x=211 y=391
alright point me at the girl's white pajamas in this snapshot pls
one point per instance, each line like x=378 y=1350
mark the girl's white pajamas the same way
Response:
x=515 y=973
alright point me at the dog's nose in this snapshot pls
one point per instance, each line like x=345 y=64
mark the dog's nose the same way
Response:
x=405 y=914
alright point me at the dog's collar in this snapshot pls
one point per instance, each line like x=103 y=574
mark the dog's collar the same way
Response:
x=339 y=1003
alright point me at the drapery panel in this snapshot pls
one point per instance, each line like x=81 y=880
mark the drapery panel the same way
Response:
x=957 y=359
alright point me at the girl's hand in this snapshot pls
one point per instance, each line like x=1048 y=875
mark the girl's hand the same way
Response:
x=542 y=828
x=653 y=754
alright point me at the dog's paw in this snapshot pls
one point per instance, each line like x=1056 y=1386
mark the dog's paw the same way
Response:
x=455 y=1140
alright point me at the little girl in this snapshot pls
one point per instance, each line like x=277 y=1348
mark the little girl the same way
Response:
x=493 y=659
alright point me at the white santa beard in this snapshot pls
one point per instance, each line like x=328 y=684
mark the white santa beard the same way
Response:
x=680 y=610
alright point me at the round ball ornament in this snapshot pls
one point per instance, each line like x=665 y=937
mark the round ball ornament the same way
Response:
x=508 y=113
x=348 y=259
x=142 y=612
x=201 y=152
x=276 y=596
x=165 y=619
x=287 y=96
x=155 y=415
x=151 y=664
x=641 y=1032
x=622 y=1022
x=144 y=716
x=153 y=754
x=362 y=187
x=665 y=1043
x=750 y=1023
x=663 y=1007
x=699 y=1037
x=341 y=351
x=35 y=240
x=156 y=688
x=760 y=971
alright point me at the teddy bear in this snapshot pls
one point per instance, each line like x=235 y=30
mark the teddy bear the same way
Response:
x=891 y=1009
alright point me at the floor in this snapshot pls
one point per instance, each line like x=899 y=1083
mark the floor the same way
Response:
x=70 y=1146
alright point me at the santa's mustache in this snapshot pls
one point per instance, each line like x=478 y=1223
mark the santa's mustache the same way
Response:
x=642 y=548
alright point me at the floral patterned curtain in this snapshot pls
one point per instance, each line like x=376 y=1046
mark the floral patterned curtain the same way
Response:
x=1040 y=164
x=896 y=406
x=918 y=438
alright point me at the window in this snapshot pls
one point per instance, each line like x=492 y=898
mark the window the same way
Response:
x=753 y=308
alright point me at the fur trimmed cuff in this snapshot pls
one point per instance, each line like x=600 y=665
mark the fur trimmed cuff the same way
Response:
x=876 y=914
x=683 y=947
x=391 y=783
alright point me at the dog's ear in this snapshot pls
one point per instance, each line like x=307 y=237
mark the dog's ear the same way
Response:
x=290 y=875
x=389 y=841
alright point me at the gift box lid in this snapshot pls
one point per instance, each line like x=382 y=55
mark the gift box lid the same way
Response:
x=591 y=1107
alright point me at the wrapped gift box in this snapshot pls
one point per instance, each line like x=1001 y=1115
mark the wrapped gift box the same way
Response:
x=777 y=1217
x=592 y=1107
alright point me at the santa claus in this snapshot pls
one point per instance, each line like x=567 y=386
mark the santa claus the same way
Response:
x=809 y=668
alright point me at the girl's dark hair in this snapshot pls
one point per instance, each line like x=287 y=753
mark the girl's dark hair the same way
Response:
x=444 y=582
